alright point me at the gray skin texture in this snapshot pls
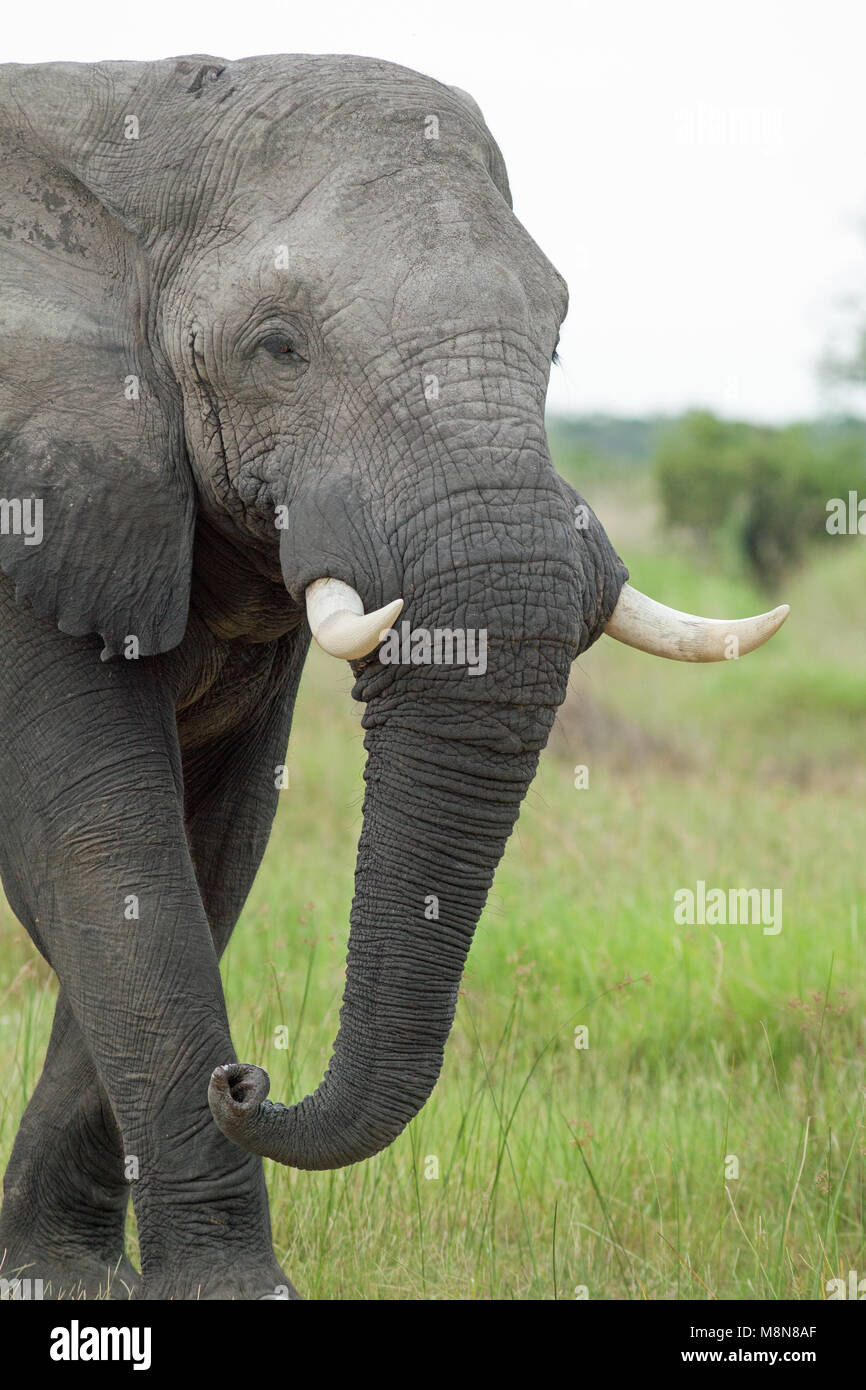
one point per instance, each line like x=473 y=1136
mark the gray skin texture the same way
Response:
x=282 y=260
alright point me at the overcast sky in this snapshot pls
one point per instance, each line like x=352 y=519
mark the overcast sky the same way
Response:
x=695 y=170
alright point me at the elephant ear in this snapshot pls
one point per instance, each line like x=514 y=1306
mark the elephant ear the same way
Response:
x=96 y=499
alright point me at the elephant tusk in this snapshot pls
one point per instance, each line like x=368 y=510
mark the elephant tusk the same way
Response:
x=338 y=622
x=651 y=627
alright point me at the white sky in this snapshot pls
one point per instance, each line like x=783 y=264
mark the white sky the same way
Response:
x=695 y=170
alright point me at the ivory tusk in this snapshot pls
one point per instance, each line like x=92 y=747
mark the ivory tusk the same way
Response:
x=338 y=621
x=651 y=627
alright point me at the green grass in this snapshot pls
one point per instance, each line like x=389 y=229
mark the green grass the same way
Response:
x=603 y=1167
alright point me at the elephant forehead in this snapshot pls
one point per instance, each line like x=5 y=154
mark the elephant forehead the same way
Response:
x=356 y=110
x=335 y=196
x=407 y=242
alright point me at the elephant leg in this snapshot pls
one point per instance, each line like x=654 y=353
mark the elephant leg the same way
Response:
x=231 y=798
x=230 y=794
x=65 y=1194
x=93 y=840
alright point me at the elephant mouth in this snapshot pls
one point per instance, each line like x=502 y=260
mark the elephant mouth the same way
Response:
x=335 y=612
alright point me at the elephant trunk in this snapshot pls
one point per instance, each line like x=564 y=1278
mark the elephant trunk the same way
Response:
x=437 y=816
x=451 y=751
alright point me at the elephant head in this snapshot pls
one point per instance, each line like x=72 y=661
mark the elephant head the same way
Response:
x=285 y=303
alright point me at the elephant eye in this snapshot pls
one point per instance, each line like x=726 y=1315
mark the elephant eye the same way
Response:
x=282 y=348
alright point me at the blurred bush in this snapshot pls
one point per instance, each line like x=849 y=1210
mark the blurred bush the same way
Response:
x=764 y=491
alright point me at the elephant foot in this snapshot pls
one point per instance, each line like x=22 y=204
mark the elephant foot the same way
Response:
x=73 y=1276
x=258 y=1283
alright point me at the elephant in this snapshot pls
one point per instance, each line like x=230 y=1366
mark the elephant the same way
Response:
x=275 y=352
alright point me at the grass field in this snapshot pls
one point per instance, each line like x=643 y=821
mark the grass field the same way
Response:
x=709 y=1141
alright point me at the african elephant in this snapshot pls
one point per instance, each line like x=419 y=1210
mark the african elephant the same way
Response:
x=274 y=359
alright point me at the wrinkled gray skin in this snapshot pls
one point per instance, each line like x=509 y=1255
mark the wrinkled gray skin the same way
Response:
x=259 y=387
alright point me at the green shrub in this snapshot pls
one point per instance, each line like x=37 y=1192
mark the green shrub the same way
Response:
x=766 y=488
